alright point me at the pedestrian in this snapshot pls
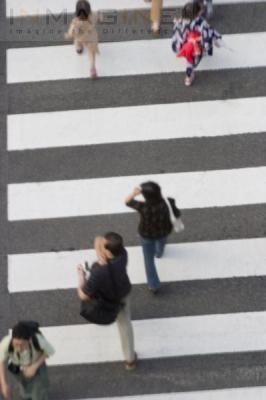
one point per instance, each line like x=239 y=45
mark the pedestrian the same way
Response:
x=155 y=15
x=193 y=37
x=83 y=31
x=154 y=227
x=107 y=291
x=26 y=352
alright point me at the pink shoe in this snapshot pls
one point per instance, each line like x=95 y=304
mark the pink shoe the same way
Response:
x=189 y=79
x=94 y=73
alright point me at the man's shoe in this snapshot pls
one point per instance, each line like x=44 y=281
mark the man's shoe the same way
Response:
x=130 y=365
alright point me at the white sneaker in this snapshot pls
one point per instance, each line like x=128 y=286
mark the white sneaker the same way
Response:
x=189 y=79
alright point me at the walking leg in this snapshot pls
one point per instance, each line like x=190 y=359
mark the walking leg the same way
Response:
x=159 y=247
x=148 y=247
x=126 y=332
x=78 y=46
x=156 y=9
x=40 y=384
x=92 y=60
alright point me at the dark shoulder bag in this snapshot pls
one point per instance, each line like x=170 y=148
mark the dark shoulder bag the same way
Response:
x=102 y=311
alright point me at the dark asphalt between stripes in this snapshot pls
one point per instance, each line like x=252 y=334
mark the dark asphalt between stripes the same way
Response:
x=175 y=299
x=80 y=94
x=174 y=374
x=203 y=224
x=130 y=25
x=138 y=158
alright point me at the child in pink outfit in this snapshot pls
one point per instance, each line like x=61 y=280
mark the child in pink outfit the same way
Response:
x=83 y=31
x=193 y=38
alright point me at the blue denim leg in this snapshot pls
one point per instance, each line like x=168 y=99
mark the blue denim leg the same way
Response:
x=159 y=247
x=148 y=247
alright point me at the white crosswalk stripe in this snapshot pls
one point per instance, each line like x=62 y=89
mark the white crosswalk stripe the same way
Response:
x=128 y=58
x=224 y=259
x=156 y=122
x=191 y=189
x=218 y=334
x=183 y=261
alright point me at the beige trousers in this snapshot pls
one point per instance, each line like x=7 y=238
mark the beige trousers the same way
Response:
x=125 y=328
x=156 y=9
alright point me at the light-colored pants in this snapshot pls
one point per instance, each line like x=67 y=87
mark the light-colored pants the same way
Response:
x=156 y=9
x=125 y=328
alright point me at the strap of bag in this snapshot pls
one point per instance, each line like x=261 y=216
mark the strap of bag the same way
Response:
x=114 y=286
x=171 y=212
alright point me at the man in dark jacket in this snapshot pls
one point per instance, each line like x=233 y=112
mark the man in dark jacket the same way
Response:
x=110 y=251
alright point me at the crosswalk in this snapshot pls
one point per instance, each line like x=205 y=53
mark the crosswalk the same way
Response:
x=77 y=147
x=30 y=7
x=156 y=122
x=232 y=258
x=129 y=58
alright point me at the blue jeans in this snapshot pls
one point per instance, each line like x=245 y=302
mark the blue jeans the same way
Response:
x=152 y=248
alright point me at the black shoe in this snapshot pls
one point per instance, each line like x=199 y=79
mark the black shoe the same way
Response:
x=154 y=290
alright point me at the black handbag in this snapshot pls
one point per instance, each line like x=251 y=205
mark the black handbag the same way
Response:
x=13 y=368
x=102 y=311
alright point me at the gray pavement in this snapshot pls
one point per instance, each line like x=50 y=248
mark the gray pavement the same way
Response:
x=135 y=90
x=132 y=25
x=186 y=298
x=125 y=159
x=77 y=233
x=176 y=299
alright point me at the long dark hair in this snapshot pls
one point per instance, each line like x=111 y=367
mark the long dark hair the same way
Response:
x=151 y=192
x=191 y=10
x=83 y=9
